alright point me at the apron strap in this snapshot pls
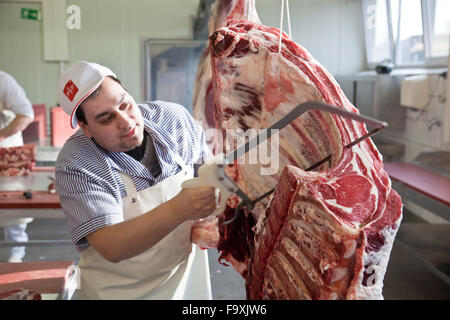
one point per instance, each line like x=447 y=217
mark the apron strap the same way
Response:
x=128 y=183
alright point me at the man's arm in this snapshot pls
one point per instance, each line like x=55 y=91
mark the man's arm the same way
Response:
x=15 y=99
x=132 y=237
x=19 y=124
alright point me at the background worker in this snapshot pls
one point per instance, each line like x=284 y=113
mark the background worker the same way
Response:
x=16 y=113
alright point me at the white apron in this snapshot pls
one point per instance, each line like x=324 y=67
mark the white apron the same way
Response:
x=6 y=117
x=174 y=268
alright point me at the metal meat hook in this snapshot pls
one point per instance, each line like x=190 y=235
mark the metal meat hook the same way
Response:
x=212 y=174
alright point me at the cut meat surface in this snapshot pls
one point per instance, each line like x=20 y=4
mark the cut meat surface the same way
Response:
x=322 y=235
x=205 y=233
x=323 y=254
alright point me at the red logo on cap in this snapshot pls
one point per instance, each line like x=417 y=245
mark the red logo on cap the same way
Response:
x=70 y=90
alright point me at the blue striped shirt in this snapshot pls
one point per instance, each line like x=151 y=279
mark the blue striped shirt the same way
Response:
x=87 y=179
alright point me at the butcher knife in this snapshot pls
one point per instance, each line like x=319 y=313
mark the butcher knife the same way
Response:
x=212 y=173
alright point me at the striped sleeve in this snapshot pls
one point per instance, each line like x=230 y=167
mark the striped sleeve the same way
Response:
x=198 y=141
x=178 y=122
x=191 y=140
x=87 y=204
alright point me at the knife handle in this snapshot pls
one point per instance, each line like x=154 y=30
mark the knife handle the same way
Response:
x=211 y=175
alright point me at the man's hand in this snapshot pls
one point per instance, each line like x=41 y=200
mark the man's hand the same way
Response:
x=132 y=237
x=193 y=203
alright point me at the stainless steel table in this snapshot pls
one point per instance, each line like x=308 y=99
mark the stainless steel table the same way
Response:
x=42 y=204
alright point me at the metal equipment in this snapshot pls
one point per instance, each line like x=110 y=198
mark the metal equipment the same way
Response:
x=213 y=174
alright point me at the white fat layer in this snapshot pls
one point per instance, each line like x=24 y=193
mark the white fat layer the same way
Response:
x=377 y=262
x=204 y=75
x=350 y=247
x=333 y=202
x=338 y=274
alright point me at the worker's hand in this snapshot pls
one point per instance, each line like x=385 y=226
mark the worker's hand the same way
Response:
x=194 y=203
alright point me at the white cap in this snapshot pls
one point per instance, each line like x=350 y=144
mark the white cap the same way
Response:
x=77 y=83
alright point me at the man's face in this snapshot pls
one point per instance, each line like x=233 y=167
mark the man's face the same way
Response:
x=113 y=118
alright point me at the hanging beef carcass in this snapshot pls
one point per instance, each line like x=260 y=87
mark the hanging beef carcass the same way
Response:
x=322 y=235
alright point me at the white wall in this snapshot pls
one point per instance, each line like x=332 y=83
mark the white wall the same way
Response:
x=21 y=53
x=425 y=129
x=112 y=33
x=428 y=129
x=446 y=132
x=331 y=30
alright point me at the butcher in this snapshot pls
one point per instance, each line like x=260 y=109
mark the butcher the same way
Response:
x=16 y=113
x=118 y=179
